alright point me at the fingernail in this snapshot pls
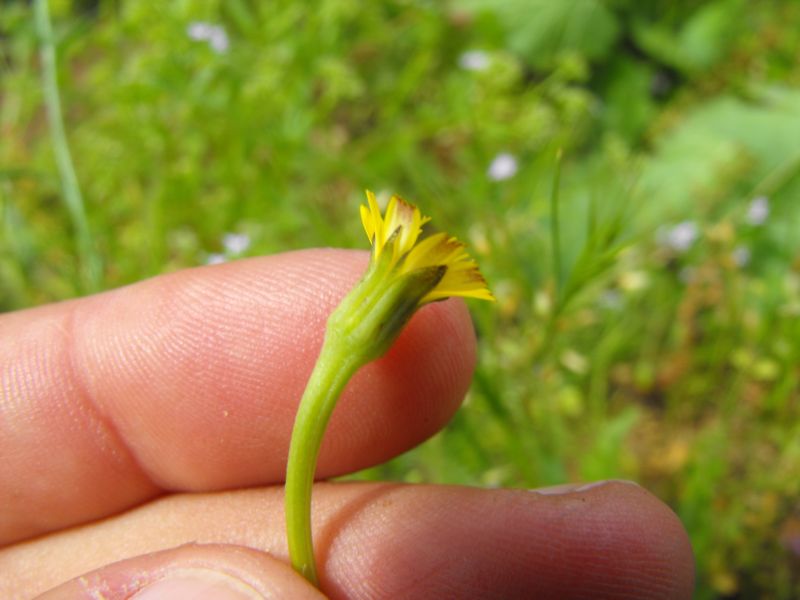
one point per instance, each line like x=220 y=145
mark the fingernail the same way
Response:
x=570 y=488
x=198 y=584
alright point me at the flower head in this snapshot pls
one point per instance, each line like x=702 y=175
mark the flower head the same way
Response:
x=215 y=259
x=504 y=166
x=236 y=243
x=399 y=230
x=474 y=60
x=679 y=238
x=215 y=35
x=406 y=271
x=758 y=211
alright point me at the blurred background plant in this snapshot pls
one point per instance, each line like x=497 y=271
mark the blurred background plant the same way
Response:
x=647 y=318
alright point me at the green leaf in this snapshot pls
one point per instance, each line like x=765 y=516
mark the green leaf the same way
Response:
x=727 y=142
x=700 y=44
x=707 y=36
x=541 y=30
x=629 y=105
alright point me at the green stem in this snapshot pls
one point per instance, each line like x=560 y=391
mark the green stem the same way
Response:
x=89 y=261
x=555 y=228
x=334 y=368
x=361 y=329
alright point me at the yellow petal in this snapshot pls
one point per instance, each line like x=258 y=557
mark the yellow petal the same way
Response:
x=373 y=223
x=438 y=249
x=464 y=280
x=368 y=223
x=390 y=221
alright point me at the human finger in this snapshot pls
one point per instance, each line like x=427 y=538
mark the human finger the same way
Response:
x=374 y=541
x=190 y=381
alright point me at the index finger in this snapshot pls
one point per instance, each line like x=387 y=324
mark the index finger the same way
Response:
x=190 y=381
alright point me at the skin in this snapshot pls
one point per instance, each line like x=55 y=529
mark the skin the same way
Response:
x=144 y=434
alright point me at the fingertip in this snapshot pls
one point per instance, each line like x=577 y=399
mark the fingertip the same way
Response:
x=608 y=541
x=622 y=539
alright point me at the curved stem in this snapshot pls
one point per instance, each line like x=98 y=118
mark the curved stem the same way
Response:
x=363 y=326
x=334 y=368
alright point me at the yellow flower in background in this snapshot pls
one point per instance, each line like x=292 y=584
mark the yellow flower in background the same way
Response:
x=406 y=271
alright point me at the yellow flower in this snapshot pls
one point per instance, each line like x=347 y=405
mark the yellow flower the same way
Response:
x=405 y=272
x=399 y=231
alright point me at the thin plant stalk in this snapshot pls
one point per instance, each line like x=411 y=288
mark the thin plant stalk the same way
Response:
x=70 y=189
x=555 y=229
x=331 y=373
x=404 y=274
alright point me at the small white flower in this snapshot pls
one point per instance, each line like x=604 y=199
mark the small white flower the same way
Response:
x=215 y=35
x=741 y=256
x=219 y=40
x=758 y=211
x=610 y=300
x=215 y=259
x=679 y=238
x=504 y=166
x=199 y=31
x=474 y=60
x=236 y=243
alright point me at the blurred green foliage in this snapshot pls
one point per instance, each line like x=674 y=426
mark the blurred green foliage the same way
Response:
x=666 y=348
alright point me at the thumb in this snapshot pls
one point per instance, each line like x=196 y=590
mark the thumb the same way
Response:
x=219 y=572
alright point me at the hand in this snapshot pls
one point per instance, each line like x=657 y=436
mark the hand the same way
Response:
x=135 y=424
